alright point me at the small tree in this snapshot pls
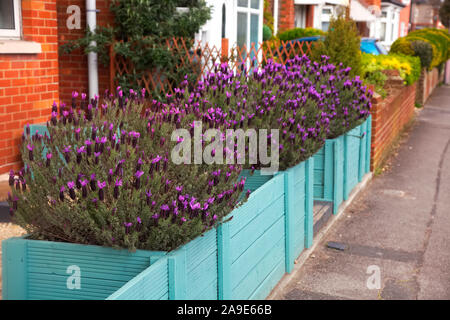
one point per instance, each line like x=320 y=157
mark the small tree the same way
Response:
x=342 y=44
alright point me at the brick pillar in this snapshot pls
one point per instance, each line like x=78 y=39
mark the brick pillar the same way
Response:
x=310 y=16
x=286 y=15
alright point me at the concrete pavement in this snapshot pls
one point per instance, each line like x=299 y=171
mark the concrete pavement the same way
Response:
x=398 y=228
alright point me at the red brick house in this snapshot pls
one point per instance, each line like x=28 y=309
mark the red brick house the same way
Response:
x=32 y=72
x=29 y=74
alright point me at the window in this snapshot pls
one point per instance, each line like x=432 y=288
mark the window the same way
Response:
x=300 y=16
x=384 y=26
x=325 y=26
x=248 y=22
x=10 y=24
x=327 y=12
x=383 y=32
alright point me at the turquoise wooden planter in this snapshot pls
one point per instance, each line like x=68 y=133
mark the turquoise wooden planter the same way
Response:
x=341 y=164
x=329 y=172
x=255 y=180
x=357 y=144
x=33 y=269
x=243 y=258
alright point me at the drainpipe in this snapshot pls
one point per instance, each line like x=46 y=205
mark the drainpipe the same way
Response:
x=275 y=17
x=91 y=18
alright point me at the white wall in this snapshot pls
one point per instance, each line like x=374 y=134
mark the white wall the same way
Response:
x=211 y=32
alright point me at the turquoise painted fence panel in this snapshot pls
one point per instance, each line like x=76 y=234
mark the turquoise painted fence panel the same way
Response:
x=368 y=143
x=44 y=267
x=255 y=180
x=39 y=128
x=328 y=172
x=256 y=241
x=150 y=284
x=201 y=267
x=352 y=140
x=357 y=146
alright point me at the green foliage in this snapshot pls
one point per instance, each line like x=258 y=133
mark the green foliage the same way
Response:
x=268 y=16
x=109 y=181
x=444 y=13
x=102 y=37
x=142 y=26
x=424 y=51
x=341 y=44
x=408 y=67
x=373 y=74
x=136 y=19
x=438 y=39
x=402 y=45
x=299 y=33
x=267 y=33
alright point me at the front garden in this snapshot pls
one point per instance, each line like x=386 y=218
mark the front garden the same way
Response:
x=114 y=190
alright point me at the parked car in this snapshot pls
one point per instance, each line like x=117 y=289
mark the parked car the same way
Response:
x=368 y=45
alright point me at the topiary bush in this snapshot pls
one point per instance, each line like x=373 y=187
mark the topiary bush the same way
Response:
x=267 y=33
x=424 y=51
x=438 y=39
x=103 y=177
x=299 y=33
x=341 y=45
x=403 y=46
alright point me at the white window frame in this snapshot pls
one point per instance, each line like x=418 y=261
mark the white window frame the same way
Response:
x=385 y=20
x=15 y=33
x=300 y=16
x=326 y=17
x=249 y=11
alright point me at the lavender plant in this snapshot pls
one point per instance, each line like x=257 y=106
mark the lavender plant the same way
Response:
x=305 y=100
x=103 y=176
x=346 y=100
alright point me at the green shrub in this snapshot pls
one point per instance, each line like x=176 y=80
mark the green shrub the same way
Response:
x=299 y=33
x=268 y=16
x=267 y=33
x=341 y=45
x=438 y=39
x=408 y=67
x=424 y=51
x=402 y=45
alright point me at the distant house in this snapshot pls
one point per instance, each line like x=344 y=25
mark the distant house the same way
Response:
x=385 y=20
x=425 y=14
x=239 y=21
x=387 y=25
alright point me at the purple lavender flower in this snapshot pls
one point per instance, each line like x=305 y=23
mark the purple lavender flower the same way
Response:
x=30 y=152
x=116 y=188
x=61 y=193
x=101 y=194
x=84 y=191
x=11 y=178
x=71 y=185
x=138 y=176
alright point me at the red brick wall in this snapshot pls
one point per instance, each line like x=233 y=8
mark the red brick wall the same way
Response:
x=404 y=17
x=427 y=83
x=376 y=3
x=286 y=17
x=73 y=67
x=310 y=17
x=28 y=83
x=389 y=116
